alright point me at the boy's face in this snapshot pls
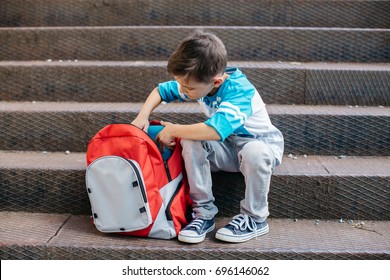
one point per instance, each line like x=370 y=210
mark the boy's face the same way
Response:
x=195 y=90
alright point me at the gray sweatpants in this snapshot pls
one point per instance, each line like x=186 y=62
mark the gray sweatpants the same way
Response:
x=254 y=158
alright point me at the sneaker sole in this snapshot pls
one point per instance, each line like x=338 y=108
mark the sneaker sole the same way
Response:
x=241 y=238
x=195 y=239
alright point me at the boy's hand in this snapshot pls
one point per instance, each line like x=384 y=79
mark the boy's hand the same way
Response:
x=141 y=123
x=142 y=120
x=165 y=136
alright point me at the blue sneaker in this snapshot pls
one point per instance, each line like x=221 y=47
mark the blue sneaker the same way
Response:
x=195 y=231
x=241 y=228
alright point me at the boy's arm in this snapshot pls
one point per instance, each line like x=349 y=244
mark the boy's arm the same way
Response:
x=142 y=119
x=198 y=131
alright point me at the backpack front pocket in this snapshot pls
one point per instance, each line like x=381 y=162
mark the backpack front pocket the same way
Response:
x=117 y=194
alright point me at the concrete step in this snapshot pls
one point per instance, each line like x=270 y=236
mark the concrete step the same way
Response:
x=157 y=43
x=60 y=237
x=364 y=84
x=44 y=208
x=311 y=187
x=323 y=130
x=329 y=13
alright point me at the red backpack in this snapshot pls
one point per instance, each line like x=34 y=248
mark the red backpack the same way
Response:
x=131 y=188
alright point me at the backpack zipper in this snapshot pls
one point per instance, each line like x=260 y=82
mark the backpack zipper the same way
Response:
x=139 y=180
x=167 y=209
x=167 y=170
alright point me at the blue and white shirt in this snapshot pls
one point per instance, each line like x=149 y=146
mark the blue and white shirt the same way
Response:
x=236 y=109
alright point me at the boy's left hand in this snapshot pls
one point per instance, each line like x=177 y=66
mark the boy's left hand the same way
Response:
x=165 y=136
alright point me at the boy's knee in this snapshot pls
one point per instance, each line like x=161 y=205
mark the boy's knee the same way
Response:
x=257 y=154
x=185 y=143
x=190 y=145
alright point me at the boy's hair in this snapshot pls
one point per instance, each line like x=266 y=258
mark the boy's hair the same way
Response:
x=200 y=56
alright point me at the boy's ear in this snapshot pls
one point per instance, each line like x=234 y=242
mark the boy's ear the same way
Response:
x=217 y=81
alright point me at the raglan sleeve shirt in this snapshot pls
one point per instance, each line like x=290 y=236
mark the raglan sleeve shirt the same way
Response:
x=169 y=91
x=234 y=107
x=227 y=110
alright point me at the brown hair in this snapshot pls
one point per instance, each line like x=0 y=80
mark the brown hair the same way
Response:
x=200 y=56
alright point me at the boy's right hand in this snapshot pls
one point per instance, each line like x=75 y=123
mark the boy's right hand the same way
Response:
x=141 y=123
x=142 y=119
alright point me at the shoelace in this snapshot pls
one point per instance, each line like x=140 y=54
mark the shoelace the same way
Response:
x=243 y=222
x=197 y=224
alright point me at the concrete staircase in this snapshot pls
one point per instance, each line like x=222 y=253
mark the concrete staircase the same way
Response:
x=67 y=68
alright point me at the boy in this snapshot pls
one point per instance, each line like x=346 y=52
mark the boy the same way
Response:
x=237 y=136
